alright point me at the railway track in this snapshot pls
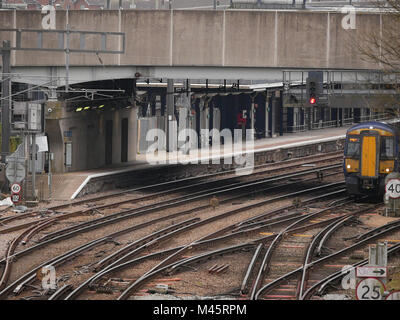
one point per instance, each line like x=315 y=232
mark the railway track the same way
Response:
x=117 y=217
x=257 y=221
x=167 y=188
x=315 y=271
x=208 y=221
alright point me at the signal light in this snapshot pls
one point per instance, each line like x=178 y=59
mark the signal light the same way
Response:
x=313 y=100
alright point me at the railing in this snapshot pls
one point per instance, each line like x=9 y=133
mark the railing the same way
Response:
x=336 y=123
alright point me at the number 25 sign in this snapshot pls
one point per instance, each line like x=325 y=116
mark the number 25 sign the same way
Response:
x=370 y=289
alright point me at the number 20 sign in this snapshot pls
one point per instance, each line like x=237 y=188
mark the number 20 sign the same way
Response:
x=370 y=289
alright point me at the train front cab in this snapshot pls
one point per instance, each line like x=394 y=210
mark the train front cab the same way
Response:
x=369 y=157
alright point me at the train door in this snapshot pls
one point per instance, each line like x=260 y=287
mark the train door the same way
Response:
x=108 y=149
x=369 y=155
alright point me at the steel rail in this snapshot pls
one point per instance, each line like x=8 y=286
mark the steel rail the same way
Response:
x=339 y=274
x=268 y=255
x=103 y=263
x=323 y=186
x=311 y=158
x=115 y=266
x=133 y=247
x=61 y=292
x=328 y=234
x=174 y=266
x=162 y=266
x=212 y=237
x=113 y=235
x=216 y=236
x=36 y=229
x=28 y=277
x=110 y=237
x=369 y=233
x=5 y=273
x=166 y=204
x=119 y=193
x=63 y=236
x=262 y=216
x=323 y=235
x=250 y=268
x=272 y=284
x=311 y=248
x=90 y=282
x=143 y=243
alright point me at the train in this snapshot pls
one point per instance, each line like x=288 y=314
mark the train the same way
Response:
x=371 y=153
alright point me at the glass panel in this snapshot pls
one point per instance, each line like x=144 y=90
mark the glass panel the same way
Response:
x=353 y=147
x=387 y=147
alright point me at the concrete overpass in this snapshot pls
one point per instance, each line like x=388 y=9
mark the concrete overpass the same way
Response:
x=221 y=44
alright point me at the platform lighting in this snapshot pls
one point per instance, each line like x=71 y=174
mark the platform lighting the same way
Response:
x=78 y=109
x=102 y=106
x=86 y=108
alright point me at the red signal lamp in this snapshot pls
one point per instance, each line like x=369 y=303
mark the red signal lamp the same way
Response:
x=313 y=100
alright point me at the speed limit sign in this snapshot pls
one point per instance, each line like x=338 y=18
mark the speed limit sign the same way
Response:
x=370 y=289
x=393 y=188
x=395 y=295
x=15 y=188
x=15 y=198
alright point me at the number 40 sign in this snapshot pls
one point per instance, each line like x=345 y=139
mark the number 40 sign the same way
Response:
x=393 y=188
x=370 y=289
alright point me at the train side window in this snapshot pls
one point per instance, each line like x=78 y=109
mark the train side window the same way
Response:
x=353 y=147
x=387 y=147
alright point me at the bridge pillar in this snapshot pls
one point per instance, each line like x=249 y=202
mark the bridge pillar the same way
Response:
x=170 y=114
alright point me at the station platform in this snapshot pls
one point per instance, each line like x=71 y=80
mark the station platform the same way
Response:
x=288 y=140
x=71 y=185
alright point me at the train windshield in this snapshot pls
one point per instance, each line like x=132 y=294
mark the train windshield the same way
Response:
x=353 y=147
x=387 y=147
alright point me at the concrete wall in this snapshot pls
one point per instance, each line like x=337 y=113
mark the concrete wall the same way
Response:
x=88 y=138
x=230 y=38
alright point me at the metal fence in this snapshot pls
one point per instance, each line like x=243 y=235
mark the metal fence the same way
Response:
x=336 y=123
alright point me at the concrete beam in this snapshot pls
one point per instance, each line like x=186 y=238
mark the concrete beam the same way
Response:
x=204 y=38
x=55 y=75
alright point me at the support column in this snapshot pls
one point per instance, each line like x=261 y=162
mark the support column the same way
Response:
x=280 y=104
x=170 y=113
x=253 y=114
x=34 y=155
x=274 y=105
x=310 y=117
x=266 y=115
x=6 y=91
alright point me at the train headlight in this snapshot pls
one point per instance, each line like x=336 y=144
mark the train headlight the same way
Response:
x=348 y=166
x=387 y=169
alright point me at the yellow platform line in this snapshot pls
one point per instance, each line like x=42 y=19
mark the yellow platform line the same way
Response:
x=302 y=235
